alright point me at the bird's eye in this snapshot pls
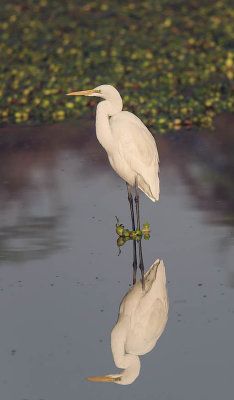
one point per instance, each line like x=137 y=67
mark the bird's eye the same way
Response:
x=97 y=91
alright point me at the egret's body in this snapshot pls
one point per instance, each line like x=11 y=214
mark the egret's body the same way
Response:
x=134 y=155
x=131 y=148
x=142 y=319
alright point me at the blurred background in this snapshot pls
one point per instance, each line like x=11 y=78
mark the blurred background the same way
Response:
x=171 y=60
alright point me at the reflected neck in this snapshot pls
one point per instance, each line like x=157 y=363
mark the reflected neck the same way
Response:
x=129 y=362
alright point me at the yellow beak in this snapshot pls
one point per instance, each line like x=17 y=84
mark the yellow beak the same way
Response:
x=82 y=93
x=105 y=378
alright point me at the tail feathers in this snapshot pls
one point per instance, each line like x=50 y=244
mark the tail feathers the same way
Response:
x=155 y=189
x=152 y=192
x=155 y=274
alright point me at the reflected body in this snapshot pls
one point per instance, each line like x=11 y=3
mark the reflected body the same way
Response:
x=131 y=148
x=142 y=319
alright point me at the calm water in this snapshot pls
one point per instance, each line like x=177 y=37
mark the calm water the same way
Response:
x=61 y=279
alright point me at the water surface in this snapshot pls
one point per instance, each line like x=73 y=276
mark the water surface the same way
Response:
x=61 y=279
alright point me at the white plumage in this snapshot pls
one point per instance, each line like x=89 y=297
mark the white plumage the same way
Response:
x=131 y=148
x=134 y=153
x=141 y=321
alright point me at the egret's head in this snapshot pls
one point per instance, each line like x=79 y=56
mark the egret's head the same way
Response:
x=126 y=376
x=104 y=91
x=107 y=92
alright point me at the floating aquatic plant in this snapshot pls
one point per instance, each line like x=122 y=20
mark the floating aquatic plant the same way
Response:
x=126 y=233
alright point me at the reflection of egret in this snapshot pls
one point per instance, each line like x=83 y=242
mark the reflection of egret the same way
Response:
x=142 y=319
x=131 y=148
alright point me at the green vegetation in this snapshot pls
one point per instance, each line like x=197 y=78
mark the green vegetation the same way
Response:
x=126 y=233
x=172 y=61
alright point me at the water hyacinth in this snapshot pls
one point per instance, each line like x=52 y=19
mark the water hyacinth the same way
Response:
x=126 y=233
x=173 y=63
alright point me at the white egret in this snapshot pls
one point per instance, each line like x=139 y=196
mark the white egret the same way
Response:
x=142 y=319
x=131 y=148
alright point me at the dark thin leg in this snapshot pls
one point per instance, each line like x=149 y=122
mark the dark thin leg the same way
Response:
x=134 y=264
x=137 y=205
x=141 y=265
x=131 y=205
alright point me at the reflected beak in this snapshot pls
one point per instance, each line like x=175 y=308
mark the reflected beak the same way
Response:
x=105 y=378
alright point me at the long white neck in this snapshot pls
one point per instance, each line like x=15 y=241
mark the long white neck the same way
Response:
x=105 y=110
x=129 y=362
